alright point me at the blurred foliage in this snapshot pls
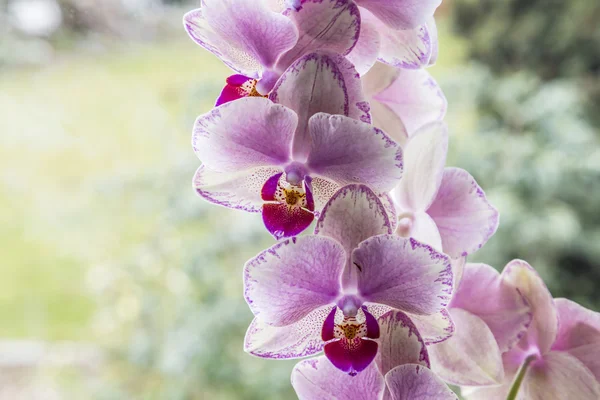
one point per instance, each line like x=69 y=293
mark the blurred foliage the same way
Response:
x=535 y=85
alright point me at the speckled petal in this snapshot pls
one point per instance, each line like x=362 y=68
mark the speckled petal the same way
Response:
x=404 y=274
x=293 y=278
x=282 y=221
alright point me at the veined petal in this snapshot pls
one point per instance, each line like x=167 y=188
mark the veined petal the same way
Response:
x=462 y=213
x=400 y=342
x=434 y=328
x=350 y=151
x=415 y=382
x=352 y=215
x=424 y=160
x=409 y=49
x=559 y=376
x=317 y=378
x=300 y=339
x=327 y=25
x=319 y=83
x=416 y=98
x=401 y=14
x=470 y=357
x=579 y=334
x=544 y=325
x=247 y=133
x=283 y=221
x=246 y=36
x=404 y=274
x=364 y=54
x=293 y=278
x=483 y=293
x=238 y=190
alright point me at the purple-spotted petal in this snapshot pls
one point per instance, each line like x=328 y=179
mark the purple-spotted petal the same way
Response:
x=543 y=329
x=579 y=334
x=319 y=83
x=400 y=342
x=350 y=151
x=293 y=278
x=434 y=328
x=251 y=132
x=404 y=274
x=416 y=98
x=483 y=293
x=352 y=215
x=424 y=160
x=326 y=25
x=401 y=14
x=237 y=190
x=236 y=87
x=409 y=49
x=559 y=376
x=462 y=213
x=322 y=190
x=300 y=339
x=246 y=36
x=415 y=382
x=317 y=378
x=283 y=221
x=470 y=357
x=351 y=357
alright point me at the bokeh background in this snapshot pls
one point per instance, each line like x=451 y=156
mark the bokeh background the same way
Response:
x=117 y=282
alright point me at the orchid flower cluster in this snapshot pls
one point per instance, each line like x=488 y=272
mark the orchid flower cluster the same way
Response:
x=331 y=119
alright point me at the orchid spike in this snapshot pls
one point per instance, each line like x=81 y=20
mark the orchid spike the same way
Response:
x=557 y=356
x=443 y=207
x=317 y=292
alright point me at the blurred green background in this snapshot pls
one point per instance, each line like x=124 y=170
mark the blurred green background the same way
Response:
x=119 y=283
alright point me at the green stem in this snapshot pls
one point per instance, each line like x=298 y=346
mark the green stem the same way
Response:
x=514 y=389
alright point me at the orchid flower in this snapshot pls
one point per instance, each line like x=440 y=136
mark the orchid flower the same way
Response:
x=400 y=371
x=402 y=100
x=325 y=292
x=557 y=357
x=490 y=316
x=259 y=42
x=443 y=207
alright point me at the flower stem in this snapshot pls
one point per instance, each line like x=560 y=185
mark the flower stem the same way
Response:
x=514 y=389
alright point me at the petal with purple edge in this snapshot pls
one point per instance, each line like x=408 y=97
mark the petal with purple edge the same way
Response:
x=286 y=282
x=350 y=151
x=559 y=376
x=300 y=339
x=542 y=332
x=404 y=274
x=434 y=328
x=319 y=83
x=579 y=334
x=251 y=132
x=283 y=221
x=237 y=190
x=327 y=25
x=471 y=357
x=462 y=213
x=415 y=382
x=400 y=342
x=424 y=229
x=483 y=293
x=416 y=98
x=409 y=49
x=389 y=122
x=246 y=36
x=351 y=357
x=364 y=54
x=433 y=34
x=317 y=378
x=424 y=160
x=401 y=14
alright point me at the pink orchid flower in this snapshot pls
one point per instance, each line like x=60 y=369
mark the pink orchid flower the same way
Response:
x=558 y=356
x=259 y=42
x=400 y=371
x=443 y=207
x=490 y=317
x=327 y=291
x=402 y=100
